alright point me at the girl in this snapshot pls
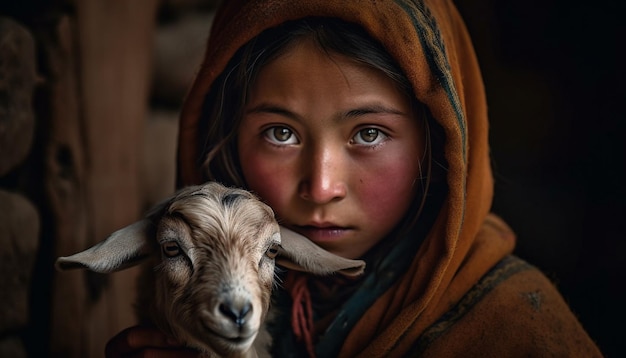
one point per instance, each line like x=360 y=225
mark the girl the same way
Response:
x=363 y=124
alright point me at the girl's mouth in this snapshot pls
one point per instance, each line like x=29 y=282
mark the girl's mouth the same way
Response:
x=323 y=234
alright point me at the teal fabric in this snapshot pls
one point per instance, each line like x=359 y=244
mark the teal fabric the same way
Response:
x=375 y=284
x=378 y=279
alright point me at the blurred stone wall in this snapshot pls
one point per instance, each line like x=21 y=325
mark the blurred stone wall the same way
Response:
x=19 y=217
x=180 y=38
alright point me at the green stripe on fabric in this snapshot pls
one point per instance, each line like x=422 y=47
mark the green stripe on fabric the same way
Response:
x=506 y=268
x=430 y=38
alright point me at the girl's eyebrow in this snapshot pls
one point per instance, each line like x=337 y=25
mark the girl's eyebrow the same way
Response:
x=372 y=109
x=353 y=113
x=273 y=109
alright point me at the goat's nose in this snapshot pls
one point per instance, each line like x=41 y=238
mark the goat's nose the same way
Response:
x=236 y=312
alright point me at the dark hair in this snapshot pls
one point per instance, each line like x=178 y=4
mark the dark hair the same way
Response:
x=227 y=99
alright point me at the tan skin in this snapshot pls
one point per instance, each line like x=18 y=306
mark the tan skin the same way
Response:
x=321 y=156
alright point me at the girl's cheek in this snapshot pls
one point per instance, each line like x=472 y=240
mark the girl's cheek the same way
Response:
x=267 y=178
x=381 y=194
x=386 y=193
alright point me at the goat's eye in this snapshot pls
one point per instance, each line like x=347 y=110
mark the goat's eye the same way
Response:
x=272 y=251
x=170 y=249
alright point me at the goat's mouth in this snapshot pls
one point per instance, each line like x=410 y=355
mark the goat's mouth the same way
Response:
x=239 y=339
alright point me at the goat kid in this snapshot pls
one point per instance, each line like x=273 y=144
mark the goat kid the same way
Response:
x=209 y=254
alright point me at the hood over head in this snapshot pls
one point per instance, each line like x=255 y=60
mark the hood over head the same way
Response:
x=430 y=43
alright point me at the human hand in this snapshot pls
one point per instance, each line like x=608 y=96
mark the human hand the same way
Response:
x=146 y=341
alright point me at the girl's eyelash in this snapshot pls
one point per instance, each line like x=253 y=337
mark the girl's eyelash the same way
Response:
x=269 y=134
x=381 y=137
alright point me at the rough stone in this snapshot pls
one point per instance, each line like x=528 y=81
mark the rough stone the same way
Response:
x=12 y=347
x=19 y=232
x=178 y=52
x=17 y=83
x=158 y=166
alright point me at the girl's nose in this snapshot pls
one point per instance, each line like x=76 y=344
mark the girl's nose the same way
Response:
x=324 y=179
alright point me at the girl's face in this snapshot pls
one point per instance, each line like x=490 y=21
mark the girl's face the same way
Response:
x=332 y=146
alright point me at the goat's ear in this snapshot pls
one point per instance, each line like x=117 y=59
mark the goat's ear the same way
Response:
x=301 y=254
x=122 y=249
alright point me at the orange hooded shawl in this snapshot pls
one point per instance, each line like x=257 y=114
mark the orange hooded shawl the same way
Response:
x=462 y=295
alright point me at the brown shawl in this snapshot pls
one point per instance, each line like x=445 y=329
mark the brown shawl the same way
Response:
x=440 y=295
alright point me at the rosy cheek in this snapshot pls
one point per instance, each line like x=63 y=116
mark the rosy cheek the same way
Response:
x=386 y=197
x=382 y=198
x=267 y=180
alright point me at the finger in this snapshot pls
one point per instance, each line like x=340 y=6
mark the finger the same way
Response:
x=136 y=338
x=168 y=353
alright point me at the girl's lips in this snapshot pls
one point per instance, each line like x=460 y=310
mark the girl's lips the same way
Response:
x=323 y=234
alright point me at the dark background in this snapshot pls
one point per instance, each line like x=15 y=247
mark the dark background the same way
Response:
x=554 y=74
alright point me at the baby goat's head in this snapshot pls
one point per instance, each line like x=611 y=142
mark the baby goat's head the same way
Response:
x=216 y=271
x=211 y=253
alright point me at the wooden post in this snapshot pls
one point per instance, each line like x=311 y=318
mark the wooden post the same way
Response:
x=98 y=111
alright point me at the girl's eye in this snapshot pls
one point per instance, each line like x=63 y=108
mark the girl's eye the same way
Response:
x=369 y=136
x=280 y=135
x=170 y=249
